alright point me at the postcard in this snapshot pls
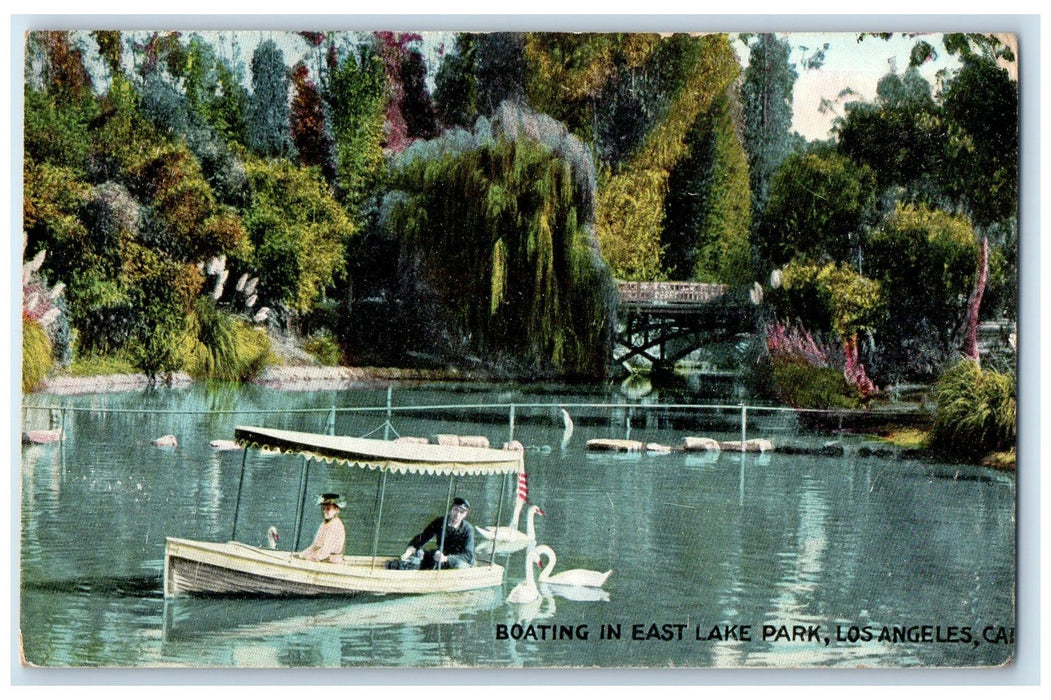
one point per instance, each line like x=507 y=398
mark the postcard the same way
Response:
x=518 y=349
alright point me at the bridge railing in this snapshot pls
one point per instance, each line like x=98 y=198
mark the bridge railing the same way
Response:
x=669 y=292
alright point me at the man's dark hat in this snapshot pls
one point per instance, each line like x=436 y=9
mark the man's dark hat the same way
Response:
x=461 y=502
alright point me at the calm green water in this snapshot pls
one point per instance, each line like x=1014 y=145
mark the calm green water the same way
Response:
x=837 y=547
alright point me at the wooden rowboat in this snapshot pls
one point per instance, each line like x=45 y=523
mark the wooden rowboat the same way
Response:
x=236 y=568
x=232 y=567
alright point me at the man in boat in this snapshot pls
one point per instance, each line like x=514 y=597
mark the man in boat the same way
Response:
x=455 y=546
x=331 y=537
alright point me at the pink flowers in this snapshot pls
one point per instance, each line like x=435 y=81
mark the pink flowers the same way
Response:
x=782 y=339
x=796 y=342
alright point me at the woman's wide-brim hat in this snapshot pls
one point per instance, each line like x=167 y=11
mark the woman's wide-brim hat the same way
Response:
x=331 y=499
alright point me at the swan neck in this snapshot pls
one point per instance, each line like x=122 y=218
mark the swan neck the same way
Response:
x=531 y=524
x=516 y=514
x=551 y=559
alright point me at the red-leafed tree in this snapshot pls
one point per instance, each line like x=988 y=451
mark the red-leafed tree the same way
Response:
x=309 y=130
x=410 y=110
x=64 y=73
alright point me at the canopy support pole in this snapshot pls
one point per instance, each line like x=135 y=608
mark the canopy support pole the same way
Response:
x=499 y=515
x=387 y=425
x=302 y=506
x=237 y=501
x=445 y=519
x=380 y=491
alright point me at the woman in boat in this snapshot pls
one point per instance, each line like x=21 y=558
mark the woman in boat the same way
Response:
x=455 y=546
x=331 y=536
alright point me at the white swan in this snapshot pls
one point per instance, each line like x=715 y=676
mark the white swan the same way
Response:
x=511 y=539
x=577 y=593
x=571 y=577
x=500 y=531
x=526 y=592
x=567 y=428
x=272 y=538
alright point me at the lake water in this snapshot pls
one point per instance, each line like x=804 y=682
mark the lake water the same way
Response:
x=832 y=551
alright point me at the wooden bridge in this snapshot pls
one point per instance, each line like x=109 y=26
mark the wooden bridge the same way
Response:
x=663 y=322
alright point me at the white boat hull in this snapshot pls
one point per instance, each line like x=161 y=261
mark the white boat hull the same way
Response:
x=218 y=568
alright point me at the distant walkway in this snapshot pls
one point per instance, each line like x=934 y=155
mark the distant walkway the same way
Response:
x=668 y=296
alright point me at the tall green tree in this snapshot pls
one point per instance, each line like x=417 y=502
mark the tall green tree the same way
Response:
x=298 y=233
x=417 y=106
x=901 y=137
x=926 y=261
x=766 y=95
x=981 y=108
x=630 y=211
x=356 y=100
x=707 y=213
x=455 y=90
x=269 y=133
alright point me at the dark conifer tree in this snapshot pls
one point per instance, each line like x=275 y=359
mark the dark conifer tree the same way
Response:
x=269 y=133
x=767 y=99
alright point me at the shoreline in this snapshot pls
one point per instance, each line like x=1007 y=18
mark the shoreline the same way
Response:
x=315 y=378
x=289 y=378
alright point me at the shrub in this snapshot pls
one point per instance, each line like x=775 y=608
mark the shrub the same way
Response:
x=803 y=372
x=36 y=354
x=325 y=348
x=222 y=347
x=802 y=385
x=976 y=411
x=95 y=365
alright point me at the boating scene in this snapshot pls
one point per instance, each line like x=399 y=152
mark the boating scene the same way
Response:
x=518 y=350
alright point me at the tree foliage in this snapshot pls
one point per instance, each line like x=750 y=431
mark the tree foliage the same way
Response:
x=529 y=249
x=766 y=95
x=631 y=199
x=981 y=108
x=269 y=133
x=310 y=132
x=829 y=298
x=818 y=203
x=355 y=97
x=298 y=233
x=707 y=213
x=926 y=260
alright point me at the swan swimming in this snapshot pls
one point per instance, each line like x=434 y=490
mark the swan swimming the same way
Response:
x=570 y=577
x=526 y=592
x=510 y=539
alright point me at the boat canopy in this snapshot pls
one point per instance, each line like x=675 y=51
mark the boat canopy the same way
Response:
x=383 y=454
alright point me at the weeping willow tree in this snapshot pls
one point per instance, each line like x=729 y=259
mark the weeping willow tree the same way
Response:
x=498 y=224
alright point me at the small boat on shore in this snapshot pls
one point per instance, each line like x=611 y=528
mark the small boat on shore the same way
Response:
x=198 y=567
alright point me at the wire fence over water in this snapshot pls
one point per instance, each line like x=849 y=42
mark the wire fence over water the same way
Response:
x=739 y=417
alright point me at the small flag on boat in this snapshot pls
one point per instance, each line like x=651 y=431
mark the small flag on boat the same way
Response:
x=523 y=487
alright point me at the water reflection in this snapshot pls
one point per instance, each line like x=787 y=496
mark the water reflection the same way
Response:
x=704 y=538
x=231 y=618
